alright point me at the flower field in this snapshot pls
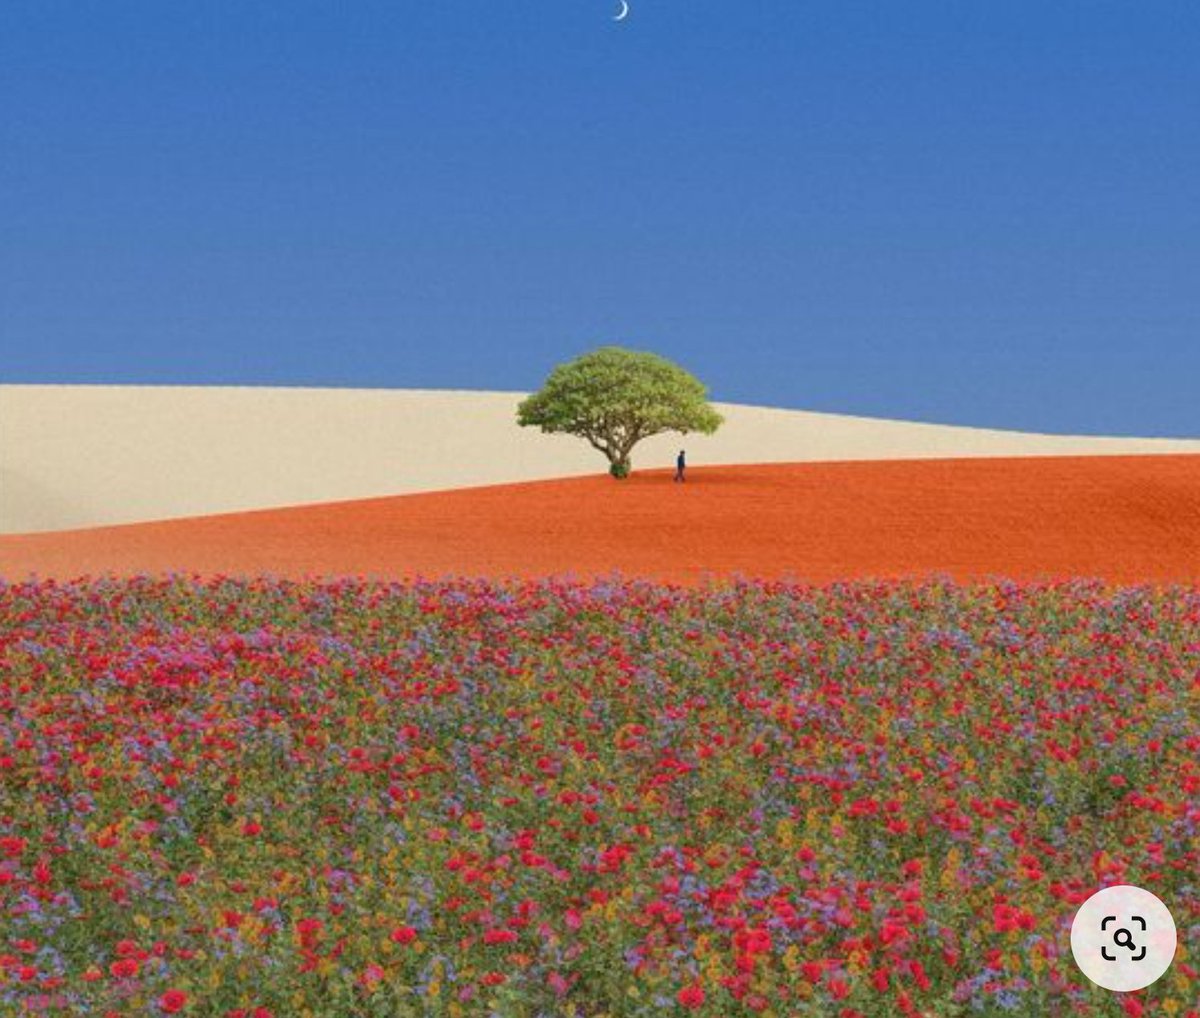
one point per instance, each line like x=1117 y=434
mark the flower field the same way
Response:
x=255 y=799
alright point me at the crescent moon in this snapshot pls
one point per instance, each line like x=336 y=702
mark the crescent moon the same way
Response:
x=623 y=13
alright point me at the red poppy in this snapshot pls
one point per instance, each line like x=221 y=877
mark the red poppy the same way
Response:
x=403 y=935
x=173 y=1001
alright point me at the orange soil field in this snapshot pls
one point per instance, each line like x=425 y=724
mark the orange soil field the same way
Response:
x=1122 y=519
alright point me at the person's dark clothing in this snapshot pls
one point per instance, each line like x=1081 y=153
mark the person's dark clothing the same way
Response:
x=680 y=466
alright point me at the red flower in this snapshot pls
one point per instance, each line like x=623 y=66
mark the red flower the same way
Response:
x=403 y=935
x=173 y=1001
x=691 y=996
x=126 y=968
x=12 y=847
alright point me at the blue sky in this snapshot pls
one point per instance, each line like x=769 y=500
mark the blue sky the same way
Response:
x=957 y=211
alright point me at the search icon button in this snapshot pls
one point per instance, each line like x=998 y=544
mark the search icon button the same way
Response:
x=1123 y=938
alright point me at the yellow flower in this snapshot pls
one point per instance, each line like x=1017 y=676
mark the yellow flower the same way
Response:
x=949 y=877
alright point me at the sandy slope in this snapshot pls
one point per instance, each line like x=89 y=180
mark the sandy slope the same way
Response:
x=78 y=456
x=1124 y=519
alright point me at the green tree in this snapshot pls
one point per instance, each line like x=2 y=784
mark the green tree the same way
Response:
x=615 y=397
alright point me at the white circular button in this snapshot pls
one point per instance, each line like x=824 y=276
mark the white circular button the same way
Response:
x=1123 y=938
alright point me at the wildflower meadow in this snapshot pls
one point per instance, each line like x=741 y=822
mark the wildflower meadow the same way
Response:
x=469 y=798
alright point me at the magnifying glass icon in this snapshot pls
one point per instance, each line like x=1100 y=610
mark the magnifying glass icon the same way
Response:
x=1127 y=942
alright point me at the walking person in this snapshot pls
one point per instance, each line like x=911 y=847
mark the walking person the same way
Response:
x=680 y=466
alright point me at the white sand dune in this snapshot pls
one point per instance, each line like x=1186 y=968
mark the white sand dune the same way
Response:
x=81 y=456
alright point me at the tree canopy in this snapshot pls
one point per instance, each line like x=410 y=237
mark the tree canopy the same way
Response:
x=615 y=398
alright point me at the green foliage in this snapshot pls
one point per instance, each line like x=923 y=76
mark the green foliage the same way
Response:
x=615 y=398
